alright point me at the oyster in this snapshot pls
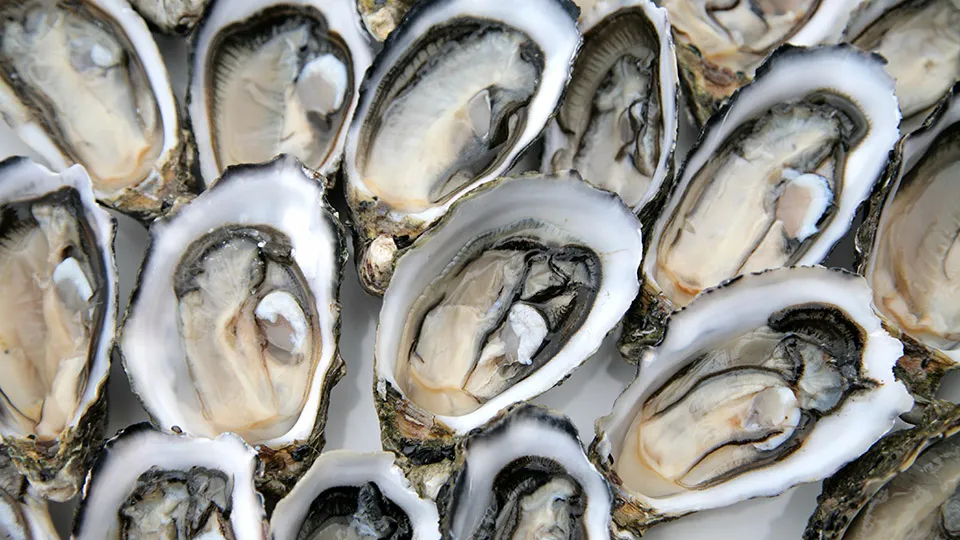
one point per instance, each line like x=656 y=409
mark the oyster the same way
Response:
x=58 y=303
x=721 y=43
x=83 y=82
x=380 y=17
x=617 y=124
x=776 y=379
x=907 y=247
x=23 y=514
x=775 y=179
x=171 y=16
x=272 y=77
x=235 y=319
x=148 y=484
x=349 y=495
x=513 y=291
x=904 y=488
x=525 y=475
x=921 y=41
x=460 y=89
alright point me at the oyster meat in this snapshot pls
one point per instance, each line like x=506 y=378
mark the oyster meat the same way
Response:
x=148 y=484
x=459 y=90
x=235 y=319
x=525 y=475
x=770 y=381
x=346 y=495
x=617 y=124
x=272 y=77
x=514 y=290
x=83 y=82
x=172 y=16
x=23 y=514
x=58 y=287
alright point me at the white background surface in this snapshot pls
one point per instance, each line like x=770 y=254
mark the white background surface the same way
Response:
x=352 y=422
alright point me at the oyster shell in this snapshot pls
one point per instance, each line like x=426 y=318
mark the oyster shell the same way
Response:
x=148 y=484
x=235 y=318
x=513 y=291
x=460 y=89
x=58 y=303
x=525 y=475
x=83 y=82
x=617 y=124
x=23 y=514
x=351 y=495
x=272 y=77
x=777 y=379
x=171 y=16
x=775 y=179
x=380 y=17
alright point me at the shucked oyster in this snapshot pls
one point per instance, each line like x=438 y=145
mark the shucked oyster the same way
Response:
x=275 y=77
x=235 y=319
x=525 y=475
x=721 y=43
x=148 y=485
x=907 y=487
x=460 y=89
x=775 y=379
x=83 y=82
x=775 y=179
x=514 y=290
x=172 y=16
x=23 y=514
x=617 y=124
x=58 y=302
x=346 y=495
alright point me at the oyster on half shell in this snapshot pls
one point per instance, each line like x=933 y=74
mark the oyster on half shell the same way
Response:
x=234 y=322
x=83 y=82
x=459 y=90
x=23 y=514
x=514 y=290
x=172 y=16
x=769 y=381
x=380 y=17
x=58 y=304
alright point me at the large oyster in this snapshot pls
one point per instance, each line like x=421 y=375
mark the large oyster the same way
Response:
x=775 y=179
x=23 y=514
x=148 y=484
x=617 y=124
x=920 y=40
x=83 y=82
x=172 y=16
x=770 y=381
x=272 y=77
x=512 y=292
x=907 y=487
x=346 y=495
x=235 y=319
x=58 y=303
x=525 y=475
x=721 y=43
x=460 y=89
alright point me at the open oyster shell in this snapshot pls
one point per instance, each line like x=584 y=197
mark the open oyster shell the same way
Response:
x=351 y=495
x=775 y=379
x=459 y=90
x=234 y=322
x=83 y=82
x=58 y=308
x=617 y=124
x=175 y=17
x=148 y=484
x=23 y=514
x=525 y=475
x=272 y=77
x=381 y=17
x=513 y=291
x=775 y=179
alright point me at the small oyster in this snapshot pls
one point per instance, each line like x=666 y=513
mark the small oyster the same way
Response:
x=776 y=379
x=617 y=124
x=381 y=16
x=513 y=291
x=525 y=475
x=272 y=77
x=775 y=179
x=83 y=82
x=350 y=495
x=172 y=16
x=58 y=308
x=459 y=90
x=23 y=514
x=235 y=319
x=147 y=485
